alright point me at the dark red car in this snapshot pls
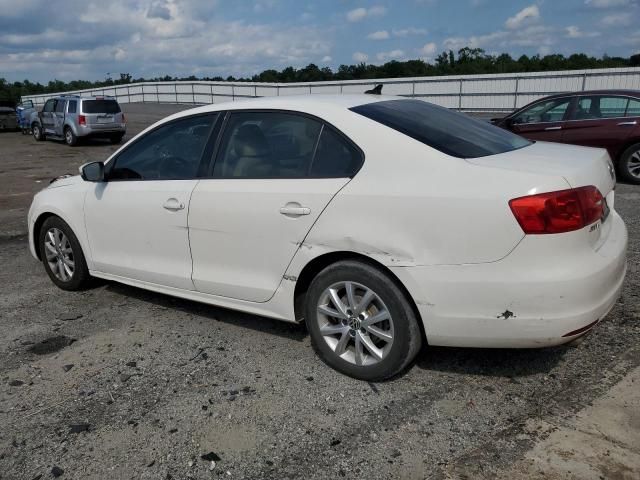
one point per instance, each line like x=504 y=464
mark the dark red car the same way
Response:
x=600 y=118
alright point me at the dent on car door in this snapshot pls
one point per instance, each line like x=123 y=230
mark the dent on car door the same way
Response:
x=136 y=221
x=598 y=121
x=542 y=121
x=274 y=174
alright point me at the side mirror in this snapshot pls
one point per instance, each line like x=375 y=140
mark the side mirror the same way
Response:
x=92 y=172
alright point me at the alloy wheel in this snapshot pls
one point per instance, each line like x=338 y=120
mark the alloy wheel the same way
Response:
x=633 y=164
x=59 y=254
x=355 y=323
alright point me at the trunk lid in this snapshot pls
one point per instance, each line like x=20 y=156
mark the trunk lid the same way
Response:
x=578 y=166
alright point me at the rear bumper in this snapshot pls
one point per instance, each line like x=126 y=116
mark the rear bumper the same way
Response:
x=101 y=130
x=531 y=298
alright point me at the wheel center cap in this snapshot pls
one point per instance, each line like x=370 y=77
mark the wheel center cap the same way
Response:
x=354 y=323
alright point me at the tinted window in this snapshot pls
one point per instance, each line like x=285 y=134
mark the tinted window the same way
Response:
x=172 y=151
x=452 y=133
x=60 y=104
x=48 y=107
x=335 y=156
x=599 y=107
x=267 y=145
x=549 y=111
x=633 y=109
x=100 y=106
x=73 y=106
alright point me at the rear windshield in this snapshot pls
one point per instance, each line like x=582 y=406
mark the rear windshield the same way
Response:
x=453 y=133
x=100 y=106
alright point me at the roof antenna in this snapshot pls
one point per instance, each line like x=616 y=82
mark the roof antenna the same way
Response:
x=377 y=90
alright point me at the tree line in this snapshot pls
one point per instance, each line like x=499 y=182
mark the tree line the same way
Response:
x=467 y=61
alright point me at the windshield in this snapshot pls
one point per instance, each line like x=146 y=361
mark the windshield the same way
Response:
x=100 y=106
x=453 y=133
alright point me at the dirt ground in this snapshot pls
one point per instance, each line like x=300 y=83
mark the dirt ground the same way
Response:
x=120 y=383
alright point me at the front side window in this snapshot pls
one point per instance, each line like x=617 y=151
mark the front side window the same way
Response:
x=73 y=106
x=450 y=132
x=48 y=106
x=170 y=152
x=60 y=106
x=543 y=112
x=267 y=145
x=597 y=107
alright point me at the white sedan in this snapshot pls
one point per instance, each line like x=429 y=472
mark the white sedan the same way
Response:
x=383 y=223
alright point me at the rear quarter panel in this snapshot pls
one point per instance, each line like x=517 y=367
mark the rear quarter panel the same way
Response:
x=411 y=205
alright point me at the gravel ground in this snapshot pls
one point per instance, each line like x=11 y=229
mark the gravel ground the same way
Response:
x=116 y=382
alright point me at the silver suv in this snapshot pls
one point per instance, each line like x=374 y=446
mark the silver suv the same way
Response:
x=70 y=117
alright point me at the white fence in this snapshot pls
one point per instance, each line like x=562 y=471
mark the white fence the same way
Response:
x=495 y=93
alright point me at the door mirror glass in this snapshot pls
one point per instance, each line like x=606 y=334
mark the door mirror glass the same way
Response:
x=92 y=172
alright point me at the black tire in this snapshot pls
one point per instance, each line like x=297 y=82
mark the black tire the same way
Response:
x=629 y=164
x=80 y=277
x=407 y=338
x=70 y=138
x=38 y=134
x=116 y=139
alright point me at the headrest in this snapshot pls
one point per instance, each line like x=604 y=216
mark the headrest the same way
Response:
x=249 y=141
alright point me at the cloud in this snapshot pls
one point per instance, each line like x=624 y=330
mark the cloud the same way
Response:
x=405 y=32
x=617 y=19
x=609 y=3
x=429 y=49
x=361 y=13
x=326 y=58
x=360 y=57
x=379 y=35
x=526 y=15
x=575 y=32
x=391 y=55
x=159 y=9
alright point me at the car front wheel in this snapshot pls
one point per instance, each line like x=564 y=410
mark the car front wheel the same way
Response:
x=62 y=255
x=629 y=165
x=360 y=321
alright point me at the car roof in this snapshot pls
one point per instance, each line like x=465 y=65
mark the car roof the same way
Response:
x=625 y=92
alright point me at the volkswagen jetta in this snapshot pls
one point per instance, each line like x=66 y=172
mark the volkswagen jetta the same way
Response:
x=383 y=223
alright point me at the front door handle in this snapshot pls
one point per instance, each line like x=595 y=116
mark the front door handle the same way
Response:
x=294 y=210
x=553 y=128
x=628 y=124
x=173 y=205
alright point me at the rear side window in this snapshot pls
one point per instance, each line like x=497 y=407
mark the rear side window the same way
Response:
x=335 y=156
x=267 y=145
x=73 y=106
x=100 y=106
x=453 y=133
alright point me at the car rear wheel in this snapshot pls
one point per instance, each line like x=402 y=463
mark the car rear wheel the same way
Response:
x=360 y=321
x=70 y=138
x=629 y=165
x=62 y=255
x=38 y=134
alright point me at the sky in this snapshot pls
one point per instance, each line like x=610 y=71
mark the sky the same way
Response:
x=41 y=40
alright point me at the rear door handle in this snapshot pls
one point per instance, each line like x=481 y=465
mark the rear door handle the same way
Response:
x=553 y=128
x=295 y=210
x=173 y=205
x=628 y=124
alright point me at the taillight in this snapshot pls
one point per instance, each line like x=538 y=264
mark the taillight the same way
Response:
x=82 y=120
x=558 y=212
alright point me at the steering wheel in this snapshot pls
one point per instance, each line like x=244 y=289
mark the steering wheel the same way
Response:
x=176 y=166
